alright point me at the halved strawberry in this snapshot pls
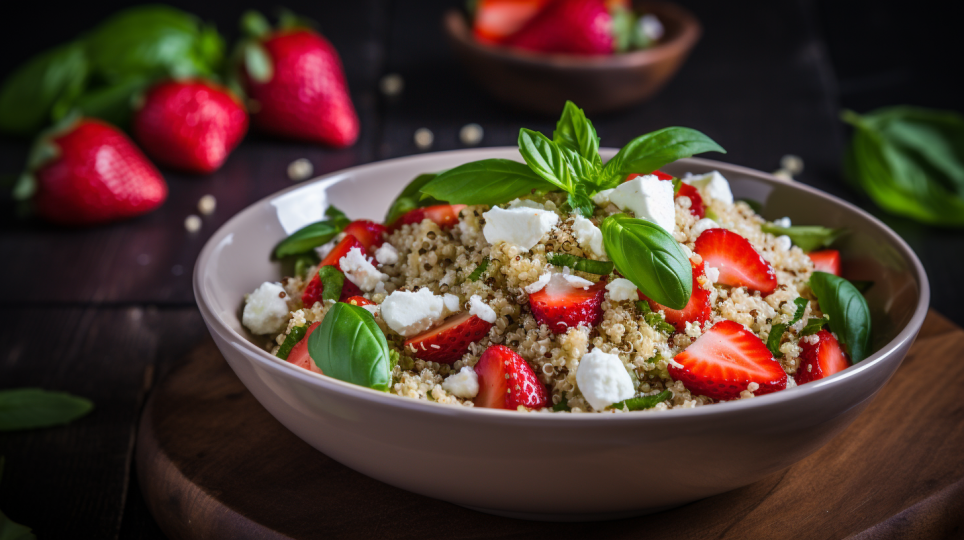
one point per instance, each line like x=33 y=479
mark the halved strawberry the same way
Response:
x=821 y=359
x=359 y=301
x=560 y=306
x=496 y=20
x=697 y=207
x=444 y=215
x=697 y=310
x=739 y=264
x=724 y=361
x=369 y=233
x=299 y=353
x=827 y=261
x=506 y=381
x=447 y=342
x=313 y=290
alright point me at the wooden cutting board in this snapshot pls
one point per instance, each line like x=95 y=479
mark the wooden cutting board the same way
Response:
x=213 y=463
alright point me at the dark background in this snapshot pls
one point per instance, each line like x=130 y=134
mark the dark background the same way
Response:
x=104 y=312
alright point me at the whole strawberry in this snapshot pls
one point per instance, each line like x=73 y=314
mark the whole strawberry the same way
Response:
x=190 y=125
x=296 y=79
x=86 y=172
x=568 y=26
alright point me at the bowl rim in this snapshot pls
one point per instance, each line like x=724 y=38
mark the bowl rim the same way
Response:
x=456 y=28
x=254 y=353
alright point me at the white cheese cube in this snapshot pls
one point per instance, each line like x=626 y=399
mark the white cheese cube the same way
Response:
x=481 y=310
x=621 y=289
x=360 y=271
x=602 y=198
x=410 y=313
x=649 y=198
x=266 y=310
x=589 y=236
x=386 y=254
x=464 y=384
x=703 y=225
x=520 y=226
x=711 y=185
x=603 y=380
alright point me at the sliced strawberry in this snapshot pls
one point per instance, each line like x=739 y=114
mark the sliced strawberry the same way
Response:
x=697 y=207
x=724 y=361
x=369 y=233
x=496 y=20
x=444 y=215
x=739 y=264
x=820 y=360
x=697 y=310
x=313 y=290
x=560 y=306
x=827 y=261
x=359 y=301
x=299 y=353
x=506 y=381
x=447 y=342
x=568 y=26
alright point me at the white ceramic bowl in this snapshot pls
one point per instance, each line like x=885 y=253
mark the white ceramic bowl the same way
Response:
x=554 y=466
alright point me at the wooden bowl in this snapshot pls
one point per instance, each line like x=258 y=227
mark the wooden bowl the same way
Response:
x=542 y=82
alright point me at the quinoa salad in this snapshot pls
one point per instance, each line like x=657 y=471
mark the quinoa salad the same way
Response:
x=566 y=285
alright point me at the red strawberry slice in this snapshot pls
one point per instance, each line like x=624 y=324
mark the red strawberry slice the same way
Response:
x=568 y=26
x=697 y=207
x=561 y=306
x=497 y=19
x=739 y=264
x=369 y=233
x=724 y=361
x=445 y=216
x=506 y=381
x=299 y=353
x=827 y=261
x=313 y=290
x=821 y=359
x=449 y=341
x=697 y=310
x=359 y=301
x=190 y=125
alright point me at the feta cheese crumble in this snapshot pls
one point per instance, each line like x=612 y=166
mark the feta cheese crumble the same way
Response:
x=649 y=198
x=521 y=226
x=712 y=273
x=575 y=281
x=711 y=185
x=360 y=271
x=386 y=254
x=451 y=302
x=539 y=284
x=621 y=289
x=602 y=198
x=464 y=384
x=410 y=313
x=703 y=225
x=603 y=380
x=478 y=308
x=266 y=310
x=782 y=222
x=783 y=242
x=589 y=236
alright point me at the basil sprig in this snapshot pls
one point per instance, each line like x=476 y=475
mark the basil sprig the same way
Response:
x=350 y=347
x=639 y=403
x=647 y=255
x=489 y=181
x=806 y=237
x=575 y=132
x=848 y=312
x=649 y=152
x=410 y=198
x=602 y=268
x=311 y=236
x=31 y=408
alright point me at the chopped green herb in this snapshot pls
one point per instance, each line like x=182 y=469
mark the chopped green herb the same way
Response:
x=563 y=404
x=602 y=268
x=393 y=358
x=807 y=237
x=774 y=339
x=656 y=358
x=813 y=326
x=479 y=270
x=292 y=339
x=657 y=321
x=801 y=303
x=711 y=214
x=643 y=402
x=332 y=281
x=643 y=307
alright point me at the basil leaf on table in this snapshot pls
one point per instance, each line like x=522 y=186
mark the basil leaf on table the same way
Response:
x=848 y=312
x=575 y=132
x=489 y=181
x=410 y=199
x=42 y=89
x=650 y=258
x=30 y=408
x=332 y=282
x=649 y=152
x=311 y=236
x=350 y=347
x=806 y=237
x=643 y=402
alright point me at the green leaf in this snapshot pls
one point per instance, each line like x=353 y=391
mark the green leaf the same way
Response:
x=479 y=270
x=580 y=167
x=350 y=347
x=643 y=402
x=310 y=236
x=257 y=62
x=575 y=132
x=807 y=237
x=332 y=282
x=801 y=304
x=489 y=181
x=254 y=24
x=546 y=159
x=580 y=202
x=48 y=81
x=649 y=152
x=303 y=262
x=289 y=20
x=31 y=408
x=114 y=103
x=294 y=336
x=848 y=312
x=774 y=339
x=813 y=326
x=648 y=256
x=410 y=198
x=602 y=268
x=333 y=213
x=563 y=404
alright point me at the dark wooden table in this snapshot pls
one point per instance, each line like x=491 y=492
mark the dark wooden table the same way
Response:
x=104 y=312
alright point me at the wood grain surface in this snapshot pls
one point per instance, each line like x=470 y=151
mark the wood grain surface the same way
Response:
x=214 y=464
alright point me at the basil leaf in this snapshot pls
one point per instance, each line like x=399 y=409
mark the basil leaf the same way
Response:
x=409 y=199
x=657 y=321
x=648 y=256
x=489 y=181
x=580 y=167
x=332 y=212
x=602 y=268
x=297 y=334
x=310 y=236
x=563 y=404
x=332 y=282
x=643 y=307
x=30 y=408
x=807 y=237
x=580 y=202
x=643 y=402
x=546 y=159
x=848 y=312
x=479 y=270
x=575 y=132
x=774 y=339
x=813 y=326
x=649 y=152
x=801 y=304
x=305 y=261
x=349 y=346
x=49 y=81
